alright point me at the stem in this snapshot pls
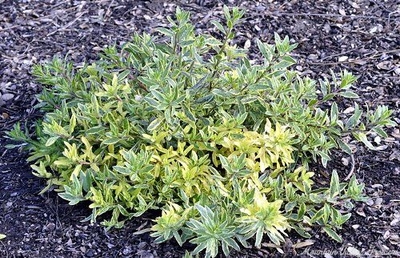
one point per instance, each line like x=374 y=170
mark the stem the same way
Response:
x=219 y=57
x=139 y=83
x=256 y=81
x=274 y=60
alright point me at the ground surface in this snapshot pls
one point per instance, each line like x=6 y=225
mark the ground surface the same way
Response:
x=362 y=36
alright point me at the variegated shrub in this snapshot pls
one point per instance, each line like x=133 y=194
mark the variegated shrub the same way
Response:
x=188 y=124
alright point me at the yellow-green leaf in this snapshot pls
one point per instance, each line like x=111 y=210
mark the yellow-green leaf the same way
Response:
x=72 y=123
x=51 y=140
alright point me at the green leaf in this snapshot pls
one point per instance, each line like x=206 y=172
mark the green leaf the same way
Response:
x=204 y=100
x=152 y=102
x=355 y=118
x=248 y=99
x=324 y=157
x=328 y=96
x=334 y=188
x=318 y=215
x=227 y=13
x=114 y=82
x=363 y=138
x=349 y=95
x=327 y=213
x=380 y=131
x=277 y=38
x=123 y=75
x=219 y=26
x=202 y=83
x=189 y=114
x=72 y=199
x=122 y=170
x=302 y=211
x=341 y=219
x=206 y=214
x=347 y=79
x=222 y=93
x=41 y=170
x=111 y=141
x=288 y=59
x=334 y=114
x=284 y=63
x=344 y=146
x=95 y=130
x=155 y=124
x=200 y=247
x=290 y=206
x=2 y=236
x=166 y=32
x=332 y=234
x=324 y=87
x=266 y=50
x=312 y=103
x=158 y=95
x=300 y=230
x=225 y=163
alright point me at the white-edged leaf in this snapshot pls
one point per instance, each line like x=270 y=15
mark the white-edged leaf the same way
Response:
x=122 y=170
x=189 y=113
x=349 y=95
x=224 y=162
x=152 y=102
x=95 y=130
x=158 y=95
x=380 y=131
x=334 y=112
x=332 y=234
x=204 y=100
x=166 y=32
x=334 y=187
x=248 y=99
x=355 y=118
x=199 y=85
x=219 y=26
x=111 y=141
x=222 y=93
x=344 y=146
x=363 y=138
x=155 y=124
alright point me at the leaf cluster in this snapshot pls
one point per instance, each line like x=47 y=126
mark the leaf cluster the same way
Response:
x=187 y=124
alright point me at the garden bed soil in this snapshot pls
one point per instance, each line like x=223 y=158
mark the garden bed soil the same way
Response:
x=362 y=36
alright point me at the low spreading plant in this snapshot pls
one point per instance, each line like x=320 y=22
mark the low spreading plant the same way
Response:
x=187 y=124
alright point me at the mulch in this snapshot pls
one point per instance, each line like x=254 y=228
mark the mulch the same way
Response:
x=362 y=36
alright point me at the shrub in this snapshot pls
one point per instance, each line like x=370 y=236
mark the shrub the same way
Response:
x=188 y=124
